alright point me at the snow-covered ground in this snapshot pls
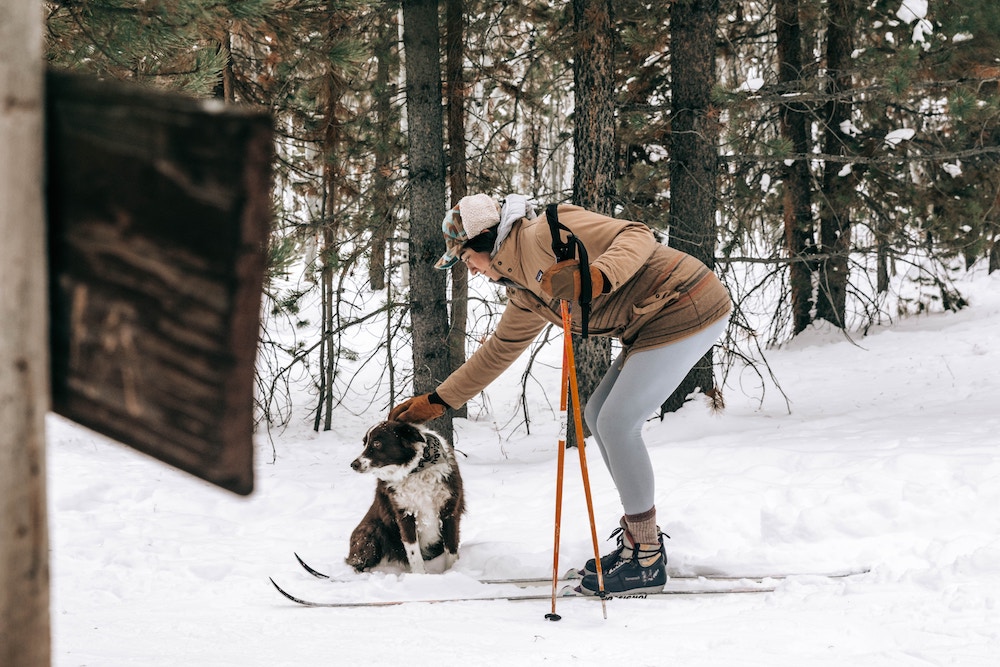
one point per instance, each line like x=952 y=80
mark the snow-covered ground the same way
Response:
x=886 y=457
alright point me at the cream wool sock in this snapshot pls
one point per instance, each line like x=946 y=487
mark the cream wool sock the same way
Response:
x=643 y=527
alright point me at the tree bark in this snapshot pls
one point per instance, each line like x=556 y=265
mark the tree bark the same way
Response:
x=693 y=152
x=425 y=128
x=334 y=88
x=24 y=366
x=835 y=215
x=383 y=216
x=594 y=151
x=797 y=196
x=457 y=175
x=224 y=88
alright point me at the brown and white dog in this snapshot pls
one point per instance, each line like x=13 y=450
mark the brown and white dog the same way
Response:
x=418 y=499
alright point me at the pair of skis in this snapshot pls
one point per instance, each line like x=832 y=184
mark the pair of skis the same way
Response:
x=678 y=584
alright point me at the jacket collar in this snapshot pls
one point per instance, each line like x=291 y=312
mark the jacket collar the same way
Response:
x=507 y=262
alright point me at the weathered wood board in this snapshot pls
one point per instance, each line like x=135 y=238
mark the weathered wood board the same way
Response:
x=159 y=209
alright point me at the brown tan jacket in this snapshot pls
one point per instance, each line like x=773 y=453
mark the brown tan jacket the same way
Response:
x=658 y=295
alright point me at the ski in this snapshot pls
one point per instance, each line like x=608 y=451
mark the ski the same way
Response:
x=573 y=575
x=709 y=583
x=683 y=587
x=525 y=581
x=310 y=570
x=391 y=603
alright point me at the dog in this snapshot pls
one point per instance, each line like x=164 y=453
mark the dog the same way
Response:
x=418 y=503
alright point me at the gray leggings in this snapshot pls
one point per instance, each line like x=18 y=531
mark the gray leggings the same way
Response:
x=626 y=397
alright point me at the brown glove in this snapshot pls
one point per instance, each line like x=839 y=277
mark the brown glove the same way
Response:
x=417 y=410
x=562 y=280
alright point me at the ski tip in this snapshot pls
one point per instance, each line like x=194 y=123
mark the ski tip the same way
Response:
x=309 y=569
x=278 y=588
x=287 y=594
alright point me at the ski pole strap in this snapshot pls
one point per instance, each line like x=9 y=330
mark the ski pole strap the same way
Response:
x=568 y=249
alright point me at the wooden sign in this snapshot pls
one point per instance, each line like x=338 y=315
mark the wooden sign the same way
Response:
x=159 y=210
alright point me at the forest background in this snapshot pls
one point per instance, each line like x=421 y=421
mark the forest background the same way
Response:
x=832 y=160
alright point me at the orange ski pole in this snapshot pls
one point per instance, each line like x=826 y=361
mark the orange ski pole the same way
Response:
x=560 y=466
x=581 y=448
x=569 y=382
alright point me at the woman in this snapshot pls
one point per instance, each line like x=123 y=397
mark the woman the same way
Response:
x=666 y=307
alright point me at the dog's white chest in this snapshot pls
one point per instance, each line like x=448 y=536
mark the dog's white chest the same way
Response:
x=422 y=495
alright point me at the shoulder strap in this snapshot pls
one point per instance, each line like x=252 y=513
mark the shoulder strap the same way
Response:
x=569 y=249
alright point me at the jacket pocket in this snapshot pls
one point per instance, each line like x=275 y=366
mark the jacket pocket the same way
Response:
x=656 y=301
x=647 y=310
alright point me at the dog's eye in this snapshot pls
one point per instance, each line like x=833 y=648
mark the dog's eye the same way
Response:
x=377 y=444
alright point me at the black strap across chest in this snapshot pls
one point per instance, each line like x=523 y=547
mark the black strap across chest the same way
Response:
x=572 y=248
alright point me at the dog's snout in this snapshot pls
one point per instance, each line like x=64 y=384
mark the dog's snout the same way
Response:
x=359 y=464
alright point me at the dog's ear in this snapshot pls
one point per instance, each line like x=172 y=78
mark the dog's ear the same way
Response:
x=409 y=432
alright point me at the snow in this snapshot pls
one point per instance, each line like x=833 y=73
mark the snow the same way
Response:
x=916 y=10
x=912 y=10
x=754 y=81
x=896 y=137
x=884 y=456
x=848 y=127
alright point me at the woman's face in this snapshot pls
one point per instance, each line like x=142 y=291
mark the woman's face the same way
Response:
x=478 y=263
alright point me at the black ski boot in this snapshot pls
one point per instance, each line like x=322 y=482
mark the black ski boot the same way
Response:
x=608 y=560
x=637 y=568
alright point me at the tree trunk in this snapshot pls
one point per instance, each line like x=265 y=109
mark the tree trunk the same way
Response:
x=24 y=345
x=425 y=128
x=693 y=152
x=224 y=88
x=797 y=204
x=333 y=138
x=383 y=214
x=457 y=176
x=835 y=216
x=594 y=151
x=883 y=254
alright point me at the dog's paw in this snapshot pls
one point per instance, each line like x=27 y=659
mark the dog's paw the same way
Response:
x=359 y=564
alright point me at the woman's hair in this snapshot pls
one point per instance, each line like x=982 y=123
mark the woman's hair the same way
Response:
x=483 y=242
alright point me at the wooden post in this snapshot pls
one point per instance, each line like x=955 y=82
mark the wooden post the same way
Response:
x=24 y=343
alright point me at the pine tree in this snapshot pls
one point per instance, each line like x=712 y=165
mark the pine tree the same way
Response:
x=428 y=303
x=458 y=175
x=171 y=44
x=693 y=153
x=797 y=183
x=837 y=201
x=595 y=164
